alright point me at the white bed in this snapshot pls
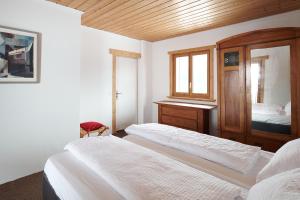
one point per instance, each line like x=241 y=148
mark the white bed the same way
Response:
x=230 y=175
x=234 y=155
x=72 y=179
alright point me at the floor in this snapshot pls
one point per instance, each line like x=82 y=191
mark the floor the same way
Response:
x=30 y=187
x=26 y=188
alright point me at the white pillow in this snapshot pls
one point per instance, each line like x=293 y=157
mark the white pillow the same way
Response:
x=286 y=158
x=288 y=108
x=283 y=186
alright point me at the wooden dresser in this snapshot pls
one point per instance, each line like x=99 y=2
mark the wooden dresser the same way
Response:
x=194 y=117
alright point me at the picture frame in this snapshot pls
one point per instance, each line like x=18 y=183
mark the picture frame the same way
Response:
x=19 y=56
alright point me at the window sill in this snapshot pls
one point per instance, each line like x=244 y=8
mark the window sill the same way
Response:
x=191 y=98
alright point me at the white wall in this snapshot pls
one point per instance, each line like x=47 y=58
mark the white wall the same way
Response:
x=37 y=120
x=145 y=80
x=96 y=73
x=160 y=59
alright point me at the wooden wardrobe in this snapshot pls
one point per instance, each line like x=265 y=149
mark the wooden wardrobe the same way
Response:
x=240 y=78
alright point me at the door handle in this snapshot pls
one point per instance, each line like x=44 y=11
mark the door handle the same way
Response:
x=117 y=94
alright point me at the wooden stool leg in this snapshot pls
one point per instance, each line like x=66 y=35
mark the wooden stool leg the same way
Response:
x=102 y=130
x=83 y=133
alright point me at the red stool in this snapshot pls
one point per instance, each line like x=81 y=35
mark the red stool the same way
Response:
x=90 y=127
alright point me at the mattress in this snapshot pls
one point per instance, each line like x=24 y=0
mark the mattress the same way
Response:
x=72 y=179
x=237 y=178
x=272 y=118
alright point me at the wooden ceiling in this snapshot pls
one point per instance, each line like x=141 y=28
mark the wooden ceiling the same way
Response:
x=154 y=20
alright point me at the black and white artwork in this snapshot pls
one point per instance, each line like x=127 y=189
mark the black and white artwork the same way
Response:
x=18 y=56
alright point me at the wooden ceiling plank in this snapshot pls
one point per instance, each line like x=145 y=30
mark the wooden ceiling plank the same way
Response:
x=91 y=14
x=176 y=16
x=157 y=5
x=76 y=3
x=201 y=16
x=87 y=5
x=203 y=11
x=122 y=14
x=162 y=19
x=101 y=4
x=256 y=10
x=177 y=26
x=272 y=10
x=155 y=36
x=66 y=2
x=146 y=14
x=61 y=2
x=130 y=24
x=163 y=12
x=116 y=10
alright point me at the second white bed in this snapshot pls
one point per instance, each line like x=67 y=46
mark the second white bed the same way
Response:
x=235 y=177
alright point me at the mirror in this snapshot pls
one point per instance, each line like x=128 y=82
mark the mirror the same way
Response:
x=271 y=89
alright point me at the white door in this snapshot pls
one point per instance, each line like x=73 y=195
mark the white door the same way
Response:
x=126 y=96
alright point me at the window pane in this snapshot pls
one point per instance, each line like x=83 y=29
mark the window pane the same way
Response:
x=200 y=74
x=182 y=74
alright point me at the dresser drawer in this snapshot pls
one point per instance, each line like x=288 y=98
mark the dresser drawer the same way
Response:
x=183 y=115
x=179 y=122
x=179 y=112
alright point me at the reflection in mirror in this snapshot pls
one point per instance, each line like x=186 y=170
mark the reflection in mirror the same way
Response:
x=270 y=89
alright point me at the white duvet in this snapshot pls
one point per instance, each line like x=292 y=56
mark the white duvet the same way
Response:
x=139 y=173
x=231 y=154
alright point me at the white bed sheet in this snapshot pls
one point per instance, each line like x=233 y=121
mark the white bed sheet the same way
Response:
x=72 y=180
x=215 y=169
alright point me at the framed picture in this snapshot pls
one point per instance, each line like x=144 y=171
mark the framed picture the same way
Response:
x=18 y=56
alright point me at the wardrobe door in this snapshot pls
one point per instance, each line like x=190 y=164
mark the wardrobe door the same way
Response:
x=232 y=84
x=271 y=94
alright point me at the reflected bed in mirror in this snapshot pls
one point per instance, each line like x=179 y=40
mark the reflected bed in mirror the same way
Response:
x=270 y=89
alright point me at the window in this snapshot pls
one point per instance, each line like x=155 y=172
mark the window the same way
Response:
x=191 y=73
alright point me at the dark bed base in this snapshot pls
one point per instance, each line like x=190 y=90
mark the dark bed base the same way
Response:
x=48 y=191
x=276 y=128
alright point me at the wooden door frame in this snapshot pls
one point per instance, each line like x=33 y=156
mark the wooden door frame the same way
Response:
x=118 y=53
